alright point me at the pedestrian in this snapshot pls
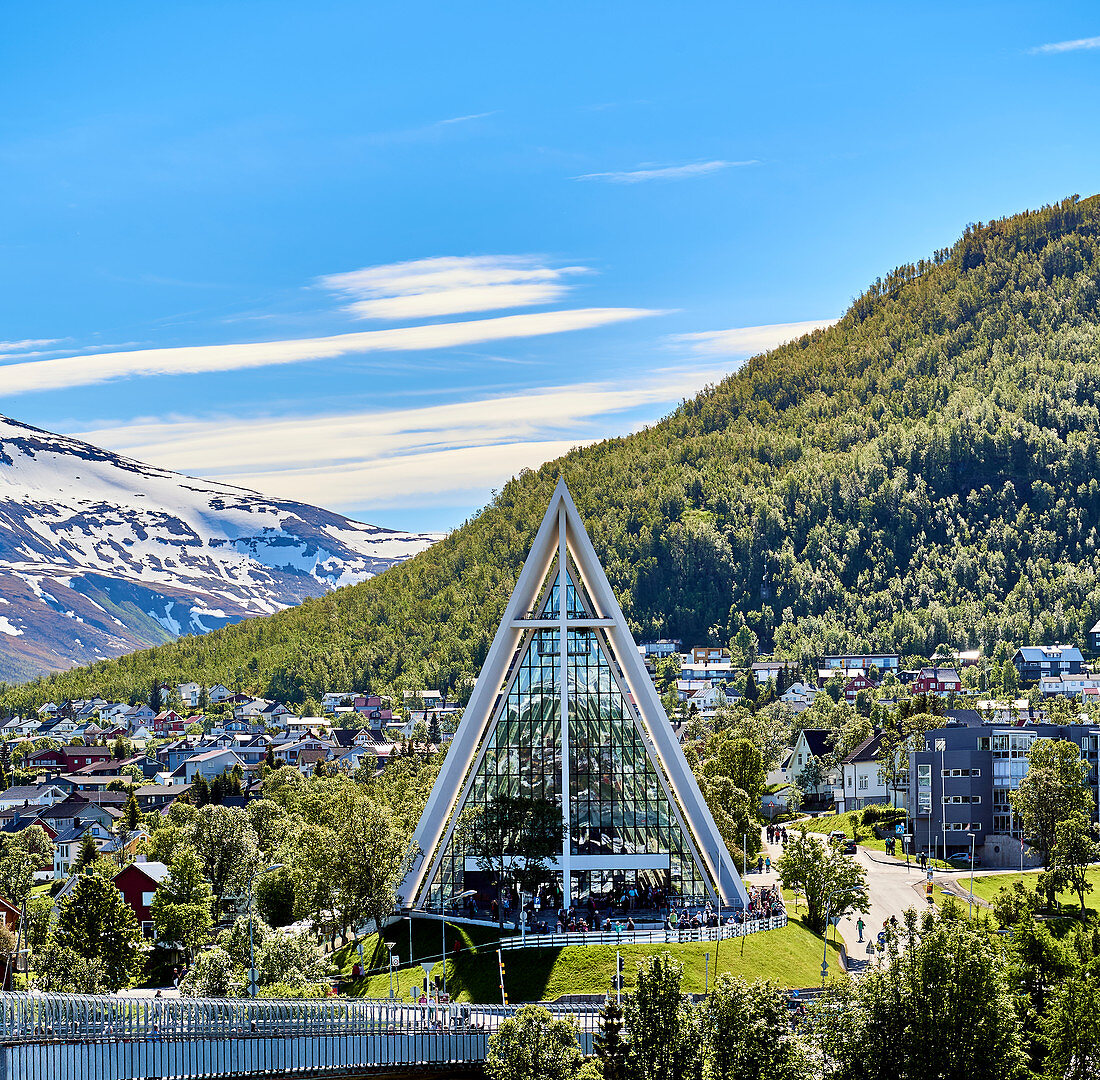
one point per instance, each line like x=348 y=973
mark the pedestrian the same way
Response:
x=859 y=926
x=767 y=864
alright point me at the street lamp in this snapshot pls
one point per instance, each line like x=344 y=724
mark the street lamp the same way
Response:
x=825 y=948
x=389 y=949
x=970 y=902
x=251 y=949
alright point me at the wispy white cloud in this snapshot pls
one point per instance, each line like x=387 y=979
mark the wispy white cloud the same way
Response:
x=93 y=368
x=26 y=343
x=466 y=119
x=664 y=172
x=1068 y=46
x=399 y=456
x=450 y=285
x=747 y=340
x=26 y=348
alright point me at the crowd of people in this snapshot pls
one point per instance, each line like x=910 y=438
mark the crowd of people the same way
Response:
x=776 y=835
x=765 y=901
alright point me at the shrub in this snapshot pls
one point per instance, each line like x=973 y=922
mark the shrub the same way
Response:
x=879 y=812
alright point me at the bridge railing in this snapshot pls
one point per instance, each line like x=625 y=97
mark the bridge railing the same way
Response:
x=644 y=937
x=33 y=1018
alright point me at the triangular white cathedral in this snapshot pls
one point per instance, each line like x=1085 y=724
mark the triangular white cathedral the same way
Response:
x=564 y=708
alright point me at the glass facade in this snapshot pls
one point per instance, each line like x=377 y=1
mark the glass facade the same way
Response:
x=622 y=827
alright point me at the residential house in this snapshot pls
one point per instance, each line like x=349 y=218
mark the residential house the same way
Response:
x=854 y=685
x=1083 y=685
x=66 y=759
x=861 y=661
x=708 y=654
x=860 y=780
x=1094 y=637
x=332 y=702
x=301 y=725
x=799 y=696
x=159 y=796
x=813 y=743
x=1018 y=711
x=219 y=694
x=174 y=754
x=138 y=884
x=10 y=915
x=75 y=811
x=190 y=694
x=169 y=723
x=1034 y=661
x=139 y=716
x=713 y=665
x=32 y=795
x=68 y=842
x=937 y=682
x=662 y=649
x=781 y=774
x=770 y=671
x=353 y=757
x=25 y=727
x=113 y=713
x=207 y=764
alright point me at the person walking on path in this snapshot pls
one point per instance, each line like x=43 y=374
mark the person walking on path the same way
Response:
x=859 y=927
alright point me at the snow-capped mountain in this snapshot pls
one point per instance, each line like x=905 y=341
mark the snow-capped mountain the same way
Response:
x=101 y=554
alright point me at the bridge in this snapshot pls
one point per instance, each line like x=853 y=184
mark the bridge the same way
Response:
x=73 y=1037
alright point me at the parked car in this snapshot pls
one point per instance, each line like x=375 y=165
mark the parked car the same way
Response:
x=961 y=860
x=846 y=844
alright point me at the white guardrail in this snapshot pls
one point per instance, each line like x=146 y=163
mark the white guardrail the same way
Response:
x=643 y=937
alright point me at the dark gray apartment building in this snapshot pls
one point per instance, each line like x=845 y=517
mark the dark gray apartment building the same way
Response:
x=959 y=784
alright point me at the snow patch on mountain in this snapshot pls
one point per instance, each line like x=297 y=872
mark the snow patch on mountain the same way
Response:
x=142 y=554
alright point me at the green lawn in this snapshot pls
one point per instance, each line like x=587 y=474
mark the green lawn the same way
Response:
x=790 y=956
x=832 y=822
x=988 y=885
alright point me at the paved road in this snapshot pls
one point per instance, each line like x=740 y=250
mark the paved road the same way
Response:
x=892 y=889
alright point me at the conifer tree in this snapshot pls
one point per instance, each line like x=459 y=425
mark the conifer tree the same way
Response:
x=133 y=812
x=88 y=854
x=200 y=790
x=610 y=1041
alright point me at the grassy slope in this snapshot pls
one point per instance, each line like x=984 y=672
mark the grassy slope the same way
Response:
x=988 y=885
x=790 y=957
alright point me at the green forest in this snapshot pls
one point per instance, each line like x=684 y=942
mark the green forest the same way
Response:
x=922 y=472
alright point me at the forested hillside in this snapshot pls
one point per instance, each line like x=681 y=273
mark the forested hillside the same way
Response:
x=925 y=471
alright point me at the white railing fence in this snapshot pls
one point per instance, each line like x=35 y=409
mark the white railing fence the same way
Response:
x=644 y=937
x=75 y=1017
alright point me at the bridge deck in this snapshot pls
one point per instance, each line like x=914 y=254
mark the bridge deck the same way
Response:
x=62 y=1037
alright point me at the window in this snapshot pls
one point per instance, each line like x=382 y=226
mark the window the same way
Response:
x=924 y=789
x=863 y=783
x=147 y=898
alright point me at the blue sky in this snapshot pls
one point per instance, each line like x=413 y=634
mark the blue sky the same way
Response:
x=381 y=256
